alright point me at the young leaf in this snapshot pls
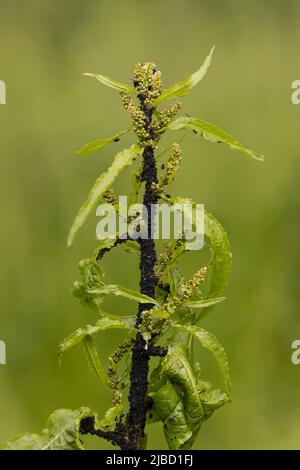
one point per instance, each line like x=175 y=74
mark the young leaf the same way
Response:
x=202 y=303
x=123 y=292
x=209 y=342
x=131 y=246
x=93 y=359
x=92 y=276
x=98 y=144
x=105 y=180
x=104 y=323
x=108 y=422
x=211 y=133
x=61 y=433
x=176 y=280
x=183 y=87
x=122 y=87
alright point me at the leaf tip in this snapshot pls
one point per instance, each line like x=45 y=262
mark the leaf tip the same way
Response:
x=70 y=240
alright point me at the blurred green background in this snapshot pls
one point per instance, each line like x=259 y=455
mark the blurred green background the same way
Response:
x=52 y=110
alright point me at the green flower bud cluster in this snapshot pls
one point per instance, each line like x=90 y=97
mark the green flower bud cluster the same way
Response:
x=110 y=197
x=172 y=165
x=190 y=286
x=186 y=291
x=147 y=82
x=166 y=257
x=113 y=378
x=165 y=117
x=150 y=324
x=138 y=117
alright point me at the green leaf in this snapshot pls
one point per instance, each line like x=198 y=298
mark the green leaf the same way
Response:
x=98 y=144
x=212 y=398
x=109 y=420
x=61 y=433
x=203 y=303
x=122 y=87
x=105 y=180
x=105 y=244
x=193 y=218
x=220 y=263
x=175 y=280
x=183 y=87
x=211 y=133
x=123 y=292
x=104 y=323
x=92 y=276
x=181 y=399
x=170 y=409
x=211 y=343
x=93 y=359
x=177 y=369
x=131 y=246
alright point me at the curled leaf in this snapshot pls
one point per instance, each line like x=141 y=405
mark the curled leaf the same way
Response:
x=210 y=342
x=220 y=263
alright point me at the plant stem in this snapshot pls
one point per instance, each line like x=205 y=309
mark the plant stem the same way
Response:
x=136 y=418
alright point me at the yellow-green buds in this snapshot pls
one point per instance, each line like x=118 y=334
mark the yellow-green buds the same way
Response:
x=110 y=197
x=164 y=117
x=113 y=378
x=147 y=82
x=172 y=164
x=190 y=286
